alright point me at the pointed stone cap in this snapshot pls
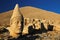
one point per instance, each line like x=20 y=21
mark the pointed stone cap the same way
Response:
x=16 y=11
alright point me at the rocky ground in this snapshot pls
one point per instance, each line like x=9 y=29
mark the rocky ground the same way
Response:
x=50 y=35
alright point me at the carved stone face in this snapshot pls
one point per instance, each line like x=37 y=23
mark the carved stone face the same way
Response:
x=14 y=28
x=16 y=25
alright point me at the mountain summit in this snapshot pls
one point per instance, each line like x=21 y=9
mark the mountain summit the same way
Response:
x=30 y=12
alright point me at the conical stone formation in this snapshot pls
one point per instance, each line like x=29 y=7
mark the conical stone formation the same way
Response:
x=15 y=22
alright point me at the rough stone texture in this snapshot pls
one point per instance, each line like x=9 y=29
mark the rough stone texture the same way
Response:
x=34 y=28
x=15 y=22
x=37 y=24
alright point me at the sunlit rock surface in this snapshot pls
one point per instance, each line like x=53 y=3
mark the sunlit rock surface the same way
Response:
x=30 y=28
x=15 y=22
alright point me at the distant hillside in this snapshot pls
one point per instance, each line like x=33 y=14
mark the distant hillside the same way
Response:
x=30 y=12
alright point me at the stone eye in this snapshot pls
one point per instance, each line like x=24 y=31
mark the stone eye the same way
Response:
x=17 y=22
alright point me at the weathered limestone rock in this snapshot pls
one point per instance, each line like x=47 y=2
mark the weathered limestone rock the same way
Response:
x=26 y=21
x=26 y=25
x=37 y=24
x=25 y=30
x=15 y=22
x=48 y=24
x=45 y=23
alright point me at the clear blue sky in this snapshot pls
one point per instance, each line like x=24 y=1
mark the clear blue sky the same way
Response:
x=50 y=5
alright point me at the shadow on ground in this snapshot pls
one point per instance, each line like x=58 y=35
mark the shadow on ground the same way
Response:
x=32 y=33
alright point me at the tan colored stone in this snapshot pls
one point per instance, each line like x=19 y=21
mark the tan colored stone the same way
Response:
x=37 y=24
x=26 y=21
x=15 y=22
x=45 y=23
x=25 y=30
